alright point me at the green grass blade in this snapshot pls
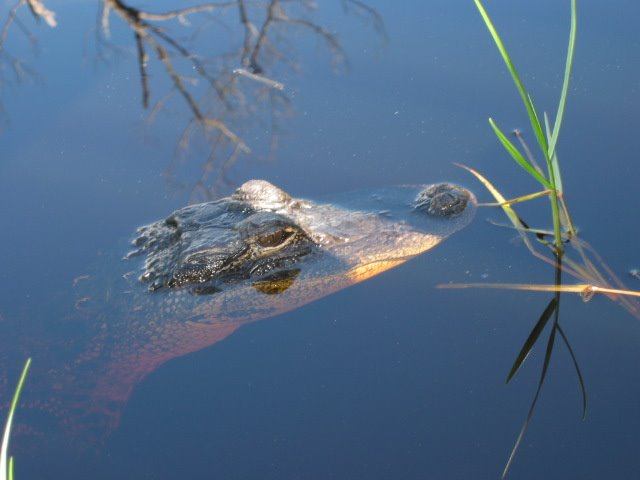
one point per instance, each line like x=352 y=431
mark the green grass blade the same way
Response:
x=517 y=156
x=10 y=468
x=523 y=198
x=555 y=165
x=7 y=429
x=499 y=198
x=509 y=212
x=532 y=338
x=526 y=99
x=565 y=84
x=529 y=154
x=580 y=379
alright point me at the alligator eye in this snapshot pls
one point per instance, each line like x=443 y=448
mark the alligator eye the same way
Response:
x=276 y=238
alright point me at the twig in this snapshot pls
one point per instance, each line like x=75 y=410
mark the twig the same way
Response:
x=142 y=63
x=207 y=7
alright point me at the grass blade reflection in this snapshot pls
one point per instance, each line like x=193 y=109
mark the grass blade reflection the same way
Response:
x=532 y=338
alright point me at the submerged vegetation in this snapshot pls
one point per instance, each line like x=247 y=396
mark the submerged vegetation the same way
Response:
x=6 y=468
x=593 y=273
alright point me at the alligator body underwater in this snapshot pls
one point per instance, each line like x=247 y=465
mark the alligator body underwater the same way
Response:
x=196 y=276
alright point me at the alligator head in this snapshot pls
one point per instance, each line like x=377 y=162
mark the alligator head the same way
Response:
x=260 y=232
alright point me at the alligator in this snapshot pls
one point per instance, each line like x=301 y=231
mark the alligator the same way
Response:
x=194 y=277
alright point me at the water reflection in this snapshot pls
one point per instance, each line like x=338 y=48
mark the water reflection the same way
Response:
x=190 y=56
x=14 y=69
x=550 y=313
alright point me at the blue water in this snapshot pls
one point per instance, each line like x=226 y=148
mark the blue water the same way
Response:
x=391 y=378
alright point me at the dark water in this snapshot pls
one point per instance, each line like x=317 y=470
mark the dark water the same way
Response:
x=390 y=378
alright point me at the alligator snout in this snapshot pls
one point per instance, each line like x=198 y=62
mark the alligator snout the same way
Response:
x=443 y=200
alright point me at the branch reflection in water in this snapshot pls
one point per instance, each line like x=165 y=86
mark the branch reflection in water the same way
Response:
x=220 y=62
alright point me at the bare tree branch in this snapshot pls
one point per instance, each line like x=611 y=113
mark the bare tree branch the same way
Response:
x=272 y=12
x=236 y=86
x=259 y=78
x=145 y=32
x=368 y=13
x=40 y=11
x=19 y=67
x=142 y=64
x=186 y=11
x=329 y=38
x=250 y=32
x=4 y=33
x=222 y=90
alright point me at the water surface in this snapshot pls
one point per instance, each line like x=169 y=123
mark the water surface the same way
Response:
x=390 y=378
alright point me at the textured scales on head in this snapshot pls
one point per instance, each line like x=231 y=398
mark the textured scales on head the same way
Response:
x=247 y=235
x=260 y=230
